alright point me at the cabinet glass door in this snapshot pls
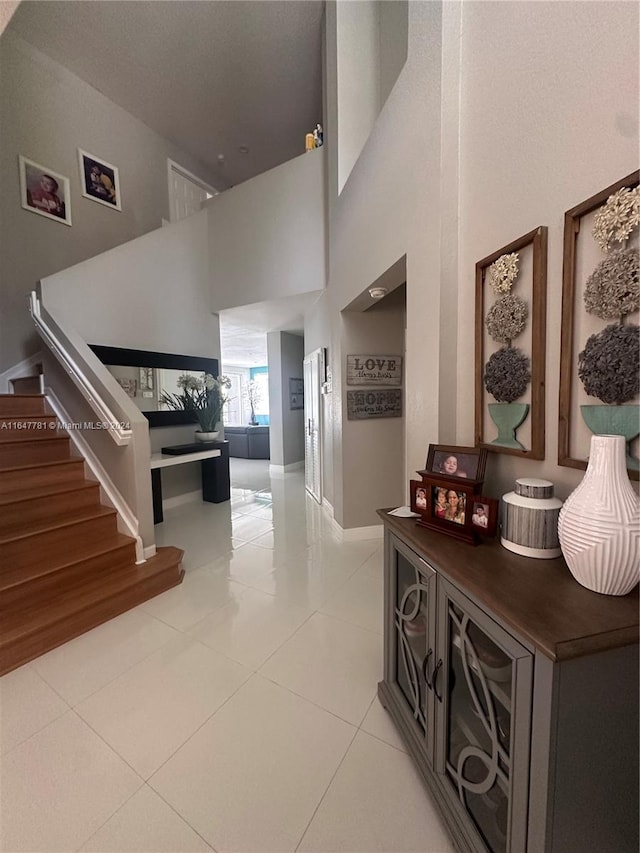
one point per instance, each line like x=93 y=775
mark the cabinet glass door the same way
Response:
x=486 y=682
x=413 y=620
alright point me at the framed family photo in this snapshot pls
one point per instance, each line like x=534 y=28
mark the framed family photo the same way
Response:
x=44 y=191
x=100 y=180
x=467 y=463
x=446 y=506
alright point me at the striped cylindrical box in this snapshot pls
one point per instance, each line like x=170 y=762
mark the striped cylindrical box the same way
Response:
x=530 y=519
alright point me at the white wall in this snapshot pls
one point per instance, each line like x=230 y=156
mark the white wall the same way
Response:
x=267 y=235
x=151 y=293
x=548 y=117
x=46 y=113
x=358 y=39
x=371 y=39
x=388 y=208
x=503 y=117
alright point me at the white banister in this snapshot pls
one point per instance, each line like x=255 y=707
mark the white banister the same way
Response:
x=117 y=431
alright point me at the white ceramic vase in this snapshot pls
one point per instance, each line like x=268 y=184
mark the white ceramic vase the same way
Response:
x=207 y=436
x=599 y=524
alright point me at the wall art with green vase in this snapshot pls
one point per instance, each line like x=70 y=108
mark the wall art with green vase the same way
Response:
x=600 y=334
x=510 y=329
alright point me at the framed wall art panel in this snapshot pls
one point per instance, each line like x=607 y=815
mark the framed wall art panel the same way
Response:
x=599 y=256
x=510 y=347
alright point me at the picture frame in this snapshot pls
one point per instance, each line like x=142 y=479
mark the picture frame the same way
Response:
x=145 y=378
x=470 y=462
x=448 y=508
x=418 y=497
x=296 y=394
x=100 y=181
x=532 y=287
x=579 y=255
x=44 y=191
x=484 y=515
x=129 y=386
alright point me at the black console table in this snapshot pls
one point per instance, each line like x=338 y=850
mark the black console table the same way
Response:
x=214 y=465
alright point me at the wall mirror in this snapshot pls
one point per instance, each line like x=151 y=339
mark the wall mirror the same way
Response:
x=144 y=375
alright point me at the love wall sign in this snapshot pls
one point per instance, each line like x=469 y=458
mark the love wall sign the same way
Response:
x=374 y=370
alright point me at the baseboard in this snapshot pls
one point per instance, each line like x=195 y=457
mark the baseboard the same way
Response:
x=186 y=498
x=353 y=534
x=328 y=508
x=18 y=371
x=286 y=469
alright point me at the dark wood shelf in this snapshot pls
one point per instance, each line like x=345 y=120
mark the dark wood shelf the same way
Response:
x=539 y=599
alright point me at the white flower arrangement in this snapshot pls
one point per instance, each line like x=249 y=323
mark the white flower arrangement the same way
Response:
x=203 y=399
x=616 y=219
x=503 y=272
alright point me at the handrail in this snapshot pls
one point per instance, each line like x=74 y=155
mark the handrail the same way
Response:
x=119 y=434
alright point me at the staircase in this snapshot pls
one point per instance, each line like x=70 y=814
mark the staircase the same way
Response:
x=64 y=568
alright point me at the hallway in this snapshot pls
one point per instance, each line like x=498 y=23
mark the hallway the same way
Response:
x=236 y=712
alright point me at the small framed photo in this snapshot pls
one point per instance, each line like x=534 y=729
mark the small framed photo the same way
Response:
x=484 y=515
x=44 y=191
x=419 y=497
x=100 y=180
x=460 y=463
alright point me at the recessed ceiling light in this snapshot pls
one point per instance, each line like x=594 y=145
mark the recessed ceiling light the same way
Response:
x=243 y=149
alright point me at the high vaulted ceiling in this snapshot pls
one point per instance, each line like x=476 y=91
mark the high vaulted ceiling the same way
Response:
x=211 y=76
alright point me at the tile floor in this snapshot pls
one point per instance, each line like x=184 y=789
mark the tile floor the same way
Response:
x=236 y=712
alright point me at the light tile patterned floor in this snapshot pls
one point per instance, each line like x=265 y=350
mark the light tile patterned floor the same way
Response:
x=237 y=712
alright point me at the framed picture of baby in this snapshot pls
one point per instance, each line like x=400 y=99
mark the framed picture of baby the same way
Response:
x=419 y=497
x=44 y=191
x=100 y=180
x=484 y=515
x=459 y=463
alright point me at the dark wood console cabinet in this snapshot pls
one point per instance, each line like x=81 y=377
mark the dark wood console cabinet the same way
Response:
x=515 y=690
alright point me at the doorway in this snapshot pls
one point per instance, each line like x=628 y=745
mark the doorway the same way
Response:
x=313 y=371
x=187 y=193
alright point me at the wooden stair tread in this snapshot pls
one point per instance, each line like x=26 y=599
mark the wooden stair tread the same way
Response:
x=45 y=491
x=73 y=460
x=20 y=437
x=69 y=518
x=76 y=558
x=92 y=592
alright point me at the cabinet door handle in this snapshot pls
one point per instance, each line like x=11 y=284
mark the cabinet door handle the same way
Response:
x=434 y=679
x=425 y=664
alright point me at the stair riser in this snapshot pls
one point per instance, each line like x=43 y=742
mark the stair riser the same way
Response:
x=32 y=452
x=22 y=591
x=32 y=646
x=68 y=473
x=46 y=508
x=27 y=385
x=13 y=404
x=49 y=549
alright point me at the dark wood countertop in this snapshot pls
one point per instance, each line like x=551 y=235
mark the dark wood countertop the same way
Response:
x=537 y=598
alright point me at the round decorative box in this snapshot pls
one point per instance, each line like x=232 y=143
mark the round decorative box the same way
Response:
x=530 y=519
